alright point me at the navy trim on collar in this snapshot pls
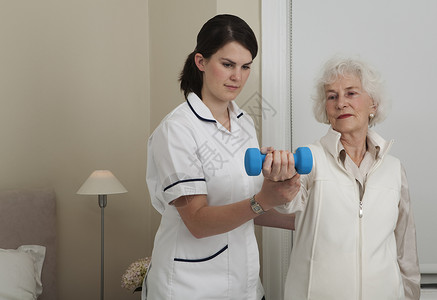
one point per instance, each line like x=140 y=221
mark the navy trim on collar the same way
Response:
x=205 y=111
x=197 y=115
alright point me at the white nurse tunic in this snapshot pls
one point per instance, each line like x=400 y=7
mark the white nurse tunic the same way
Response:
x=191 y=153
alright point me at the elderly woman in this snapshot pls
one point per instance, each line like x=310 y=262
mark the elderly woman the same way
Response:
x=355 y=233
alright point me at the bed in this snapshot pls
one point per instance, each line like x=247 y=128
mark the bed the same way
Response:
x=28 y=244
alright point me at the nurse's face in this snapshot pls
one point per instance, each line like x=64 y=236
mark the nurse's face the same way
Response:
x=224 y=73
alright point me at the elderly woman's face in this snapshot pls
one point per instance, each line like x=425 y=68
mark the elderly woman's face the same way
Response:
x=348 y=106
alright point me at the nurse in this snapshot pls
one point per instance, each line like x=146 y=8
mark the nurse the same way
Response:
x=205 y=247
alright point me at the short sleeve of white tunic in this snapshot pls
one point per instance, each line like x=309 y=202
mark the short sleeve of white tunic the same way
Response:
x=186 y=150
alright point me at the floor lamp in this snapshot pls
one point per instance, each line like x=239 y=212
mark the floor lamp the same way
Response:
x=101 y=183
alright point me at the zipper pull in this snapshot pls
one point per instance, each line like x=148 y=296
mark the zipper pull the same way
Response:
x=361 y=208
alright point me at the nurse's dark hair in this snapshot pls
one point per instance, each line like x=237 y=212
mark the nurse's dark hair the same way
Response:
x=215 y=34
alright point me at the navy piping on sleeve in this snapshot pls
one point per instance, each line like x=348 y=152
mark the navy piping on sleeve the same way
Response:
x=185 y=180
x=202 y=259
x=239 y=115
x=194 y=112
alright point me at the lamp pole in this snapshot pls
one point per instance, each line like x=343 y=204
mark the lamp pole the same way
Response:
x=102 y=204
x=102 y=183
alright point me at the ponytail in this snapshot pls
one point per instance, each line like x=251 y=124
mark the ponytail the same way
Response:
x=191 y=77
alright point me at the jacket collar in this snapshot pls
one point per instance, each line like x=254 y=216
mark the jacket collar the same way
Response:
x=202 y=112
x=331 y=141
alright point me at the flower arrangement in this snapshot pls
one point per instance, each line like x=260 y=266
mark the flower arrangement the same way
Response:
x=133 y=277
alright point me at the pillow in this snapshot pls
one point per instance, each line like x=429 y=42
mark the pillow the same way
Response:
x=20 y=272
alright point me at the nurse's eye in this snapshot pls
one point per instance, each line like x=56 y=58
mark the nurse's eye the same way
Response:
x=246 y=67
x=228 y=65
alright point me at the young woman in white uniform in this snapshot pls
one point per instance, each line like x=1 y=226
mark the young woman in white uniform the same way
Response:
x=205 y=247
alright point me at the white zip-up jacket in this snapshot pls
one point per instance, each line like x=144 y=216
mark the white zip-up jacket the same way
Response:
x=344 y=246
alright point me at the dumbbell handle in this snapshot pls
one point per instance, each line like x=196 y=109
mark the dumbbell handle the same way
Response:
x=254 y=159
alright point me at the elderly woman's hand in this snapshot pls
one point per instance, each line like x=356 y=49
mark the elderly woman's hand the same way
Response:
x=278 y=164
x=278 y=193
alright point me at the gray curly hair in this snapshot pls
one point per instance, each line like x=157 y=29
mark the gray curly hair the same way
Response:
x=370 y=80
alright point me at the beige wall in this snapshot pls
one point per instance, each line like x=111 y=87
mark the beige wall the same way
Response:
x=82 y=84
x=74 y=94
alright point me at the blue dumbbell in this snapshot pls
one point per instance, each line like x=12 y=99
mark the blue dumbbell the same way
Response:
x=254 y=159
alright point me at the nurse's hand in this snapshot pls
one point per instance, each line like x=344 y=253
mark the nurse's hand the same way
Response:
x=275 y=193
x=278 y=164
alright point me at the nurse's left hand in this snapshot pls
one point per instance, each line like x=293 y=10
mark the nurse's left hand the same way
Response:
x=278 y=164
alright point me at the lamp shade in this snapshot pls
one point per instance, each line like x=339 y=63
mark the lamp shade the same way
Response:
x=101 y=182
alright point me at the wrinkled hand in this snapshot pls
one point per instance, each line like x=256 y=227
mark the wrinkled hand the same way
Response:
x=275 y=193
x=278 y=164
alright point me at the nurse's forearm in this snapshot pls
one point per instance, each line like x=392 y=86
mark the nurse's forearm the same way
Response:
x=203 y=220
